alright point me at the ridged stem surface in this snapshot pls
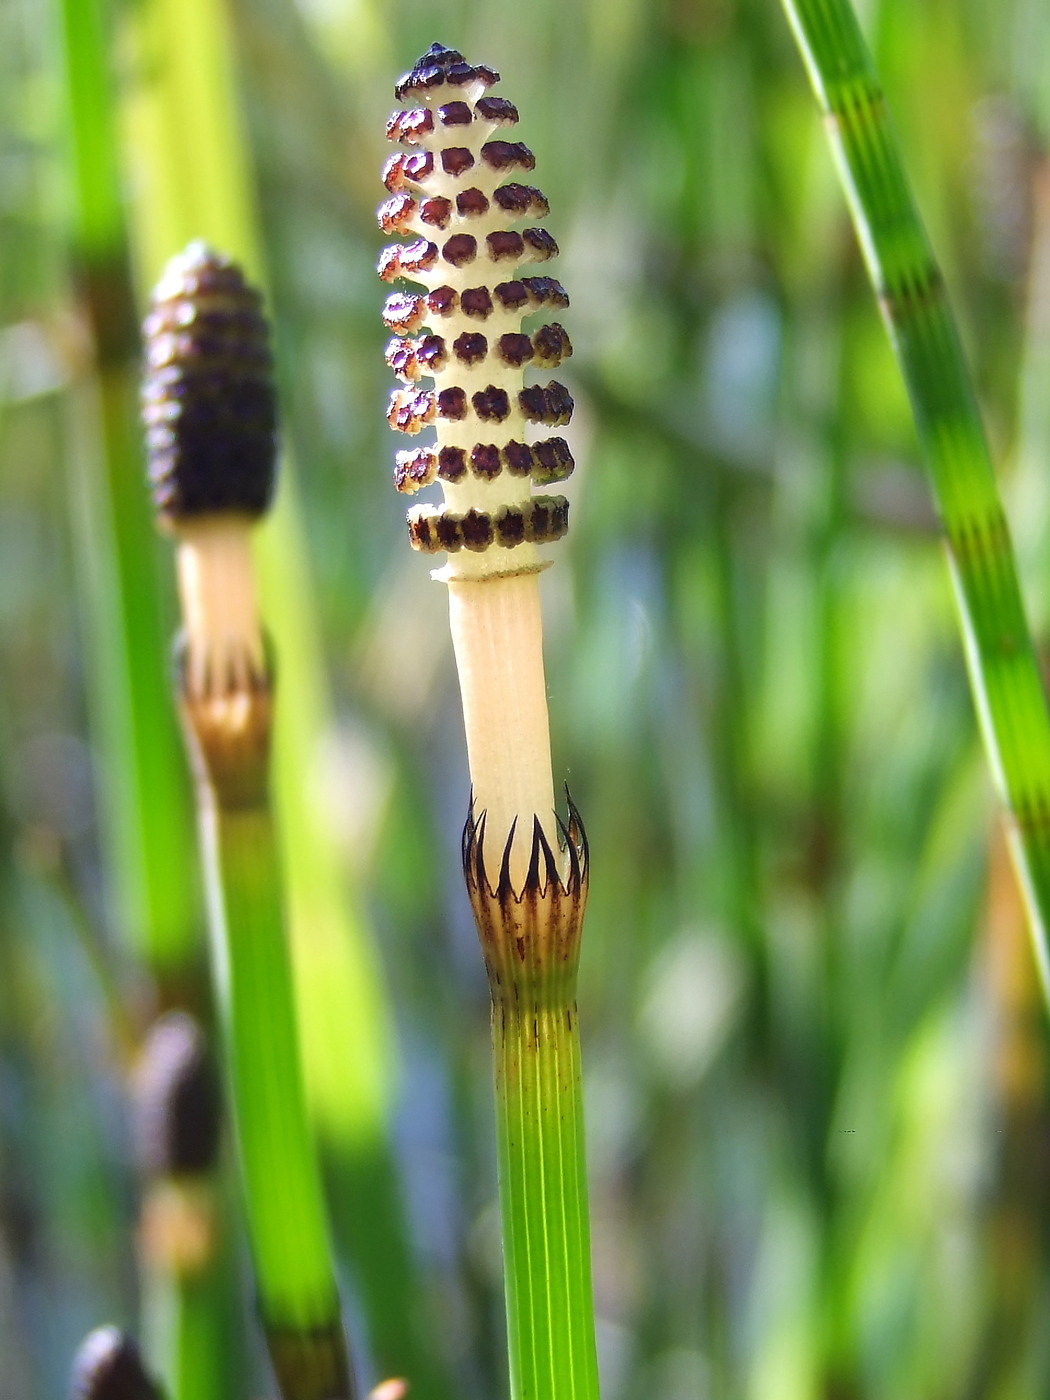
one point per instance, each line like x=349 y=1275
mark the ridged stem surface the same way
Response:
x=1003 y=670
x=530 y=937
x=543 y=1201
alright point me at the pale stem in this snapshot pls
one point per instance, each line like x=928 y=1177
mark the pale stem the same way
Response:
x=219 y=608
x=498 y=639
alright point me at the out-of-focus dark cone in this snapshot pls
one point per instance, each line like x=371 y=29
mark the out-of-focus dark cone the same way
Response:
x=176 y=1100
x=208 y=396
x=108 y=1367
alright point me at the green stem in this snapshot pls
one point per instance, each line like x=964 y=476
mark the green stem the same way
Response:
x=531 y=943
x=190 y=1337
x=543 y=1201
x=1003 y=670
x=282 y=1183
x=149 y=830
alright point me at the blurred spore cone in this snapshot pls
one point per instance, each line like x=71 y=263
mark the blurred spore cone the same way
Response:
x=108 y=1367
x=176 y=1100
x=208 y=399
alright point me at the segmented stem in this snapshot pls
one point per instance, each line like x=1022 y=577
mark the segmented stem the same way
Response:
x=542 y=1181
x=1003 y=670
x=530 y=936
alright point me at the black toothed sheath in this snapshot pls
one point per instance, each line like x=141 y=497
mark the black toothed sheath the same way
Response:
x=210 y=414
x=456 y=190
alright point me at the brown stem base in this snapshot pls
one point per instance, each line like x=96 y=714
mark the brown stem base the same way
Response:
x=311 y=1365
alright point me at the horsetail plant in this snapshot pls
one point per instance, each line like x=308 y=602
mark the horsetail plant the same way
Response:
x=210 y=414
x=1004 y=673
x=176 y=1128
x=451 y=190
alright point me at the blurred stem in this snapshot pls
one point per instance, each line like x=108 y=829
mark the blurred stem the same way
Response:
x=189 y=1326
x=281 y=1178
x=1003 y=670
x=147 y=809
x=185 y=141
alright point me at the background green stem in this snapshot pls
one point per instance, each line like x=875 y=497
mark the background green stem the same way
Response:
x=145 y=793
x=281 y=1177
x=543 y=1200
x=1003 y=671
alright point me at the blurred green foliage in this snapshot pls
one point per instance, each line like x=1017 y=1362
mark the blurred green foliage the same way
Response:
x=815 y=1056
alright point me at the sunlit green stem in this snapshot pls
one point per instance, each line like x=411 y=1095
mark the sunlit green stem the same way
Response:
x=146 y=798
x=1003 y=669
x=543 y=1199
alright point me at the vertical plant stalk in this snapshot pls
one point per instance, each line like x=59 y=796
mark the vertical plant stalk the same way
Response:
x=183 y=128
x=146 y=798
x=210 y=417
x=452 y=185
x=1003 y=670
x=531 y=940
